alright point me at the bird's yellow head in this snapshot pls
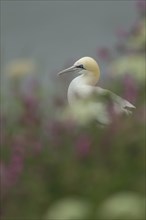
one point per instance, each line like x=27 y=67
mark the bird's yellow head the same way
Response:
x=88 y=64
x=85 y=65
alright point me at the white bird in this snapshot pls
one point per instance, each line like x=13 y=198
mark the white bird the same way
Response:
x=84 y=94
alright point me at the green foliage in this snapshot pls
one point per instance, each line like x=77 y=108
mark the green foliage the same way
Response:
x=57 y=168
x=43 y=162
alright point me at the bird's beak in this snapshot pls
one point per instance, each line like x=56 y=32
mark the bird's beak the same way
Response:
x=71 y=69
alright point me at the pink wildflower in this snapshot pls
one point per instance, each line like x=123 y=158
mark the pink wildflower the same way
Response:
x=130 y=89
x=104 y=53
x=83 y=145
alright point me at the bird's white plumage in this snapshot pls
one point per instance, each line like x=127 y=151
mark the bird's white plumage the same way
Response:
x=83 y=94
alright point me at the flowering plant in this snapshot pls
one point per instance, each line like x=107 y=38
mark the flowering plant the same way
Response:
x=52 y=169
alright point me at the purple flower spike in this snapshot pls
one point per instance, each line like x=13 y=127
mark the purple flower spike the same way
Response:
x=104 y=54
x=121 y=33
x=30 y=102
x=15 y=168
x=141 y=115
x=16 y=163
x=3 y=178
x=83 y=145
x=19 y=143
x=37 y=147
x=141 y=6
x=130 y=89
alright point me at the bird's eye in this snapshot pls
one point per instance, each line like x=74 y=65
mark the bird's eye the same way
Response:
x=80 y=66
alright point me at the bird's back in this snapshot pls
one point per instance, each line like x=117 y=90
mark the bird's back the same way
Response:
x=93 y=99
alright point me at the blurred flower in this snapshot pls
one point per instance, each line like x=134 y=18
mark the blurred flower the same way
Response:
x=37 y=147
x=141 y=5
x=122 y=33
x=141 y=114
x=4 y=183
x=68 y=209
x=83 y=113
x=30 y=114
x=132 y=64
x=20 y=67
x=55 y=128
x=104 y=53
x=58 y=102
x=30 y=86
x=83 y=145
x=2 y=129
x=15 y=166
x=130 y=89
x=137 y=39
x=126 y=205
x=30 y=102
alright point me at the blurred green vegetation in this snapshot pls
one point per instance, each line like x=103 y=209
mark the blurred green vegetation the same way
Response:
x=53 y=169
x=43 y=162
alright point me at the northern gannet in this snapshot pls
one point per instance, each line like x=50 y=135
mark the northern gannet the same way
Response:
x=83 y=92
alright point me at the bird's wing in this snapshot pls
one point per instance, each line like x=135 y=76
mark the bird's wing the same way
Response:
x=120 y=103
x=101 y=93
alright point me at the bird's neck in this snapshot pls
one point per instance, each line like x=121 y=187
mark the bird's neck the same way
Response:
x=90 y=78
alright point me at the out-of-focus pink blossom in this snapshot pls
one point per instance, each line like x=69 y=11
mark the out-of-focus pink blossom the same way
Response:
x=37 y=147
x=16 y=163
x=136 y=29
x=141 y=114
x=141 y=6
x=54 y=131
x=30 y=86
x=58 y=102
x=114 y=118
x=55 y=128
x=3 y=178
x=19 y=143
x=104 y=53
x=130 y=89
x=30 y=102
x=122 y=33
x=30 y=115
x=15 y=168
x=83 y=145
x=106 y=141
x=120 y=47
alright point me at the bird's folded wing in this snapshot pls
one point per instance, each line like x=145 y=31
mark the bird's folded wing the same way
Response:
x=98 y=94
x=124 y=104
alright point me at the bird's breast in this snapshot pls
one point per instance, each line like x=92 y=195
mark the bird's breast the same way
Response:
x=73 y=91
x=78 y=90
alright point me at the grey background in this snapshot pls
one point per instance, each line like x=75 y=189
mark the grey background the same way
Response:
x=54 y=32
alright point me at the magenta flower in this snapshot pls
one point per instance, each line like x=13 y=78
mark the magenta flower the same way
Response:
x=16 y=164
x=54 y=131
x=37 y=147
x=83 y=145
x=15 y=168
x=104 y=53
x=30 y=102
x=141 y=6
x=141 y=114
x=58 y=102
x=55 y=128
x=30 y=114
x=31 y=86
x=111 y=110
x=4 y=178
x=121 y=33
x=130 y=89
